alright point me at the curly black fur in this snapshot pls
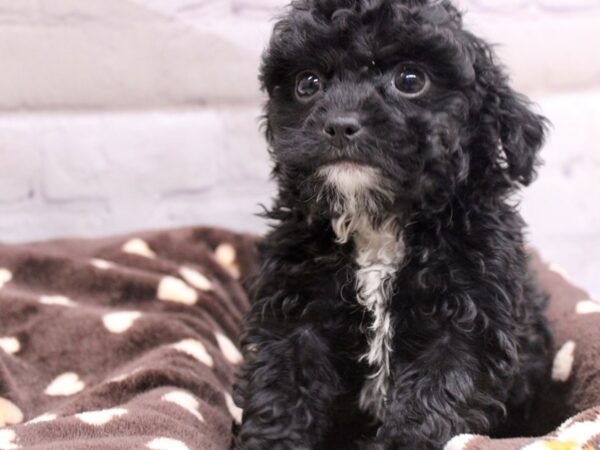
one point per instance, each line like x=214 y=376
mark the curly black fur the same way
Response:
x=468 y=340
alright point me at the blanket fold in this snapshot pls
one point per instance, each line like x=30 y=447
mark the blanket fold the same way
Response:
x=122 y=343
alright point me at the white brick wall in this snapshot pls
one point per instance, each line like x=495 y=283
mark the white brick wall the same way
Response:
x=125 y=114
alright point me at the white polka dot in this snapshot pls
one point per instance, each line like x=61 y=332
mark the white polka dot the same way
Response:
x=226 y=256
x=559 y=270
x=186 y=400
x=195 y=349
x=7 y=440
x=138 y=247
x=57 y=300
x=173 y=289
x=196 y=279
x=48 y=417
x=164 y=443
x=588 y=307
x=459 y=442
x=10 y=414
x=10 y=345
x=229 y=350
x=119 y=322
x=64 y=385
x=235 y=412
x=563 y=362
x=580 y=432
x=99 y=418
x=5 y=277
x=102 y=264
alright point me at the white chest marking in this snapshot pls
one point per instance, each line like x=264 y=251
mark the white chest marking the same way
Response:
x=378 y=255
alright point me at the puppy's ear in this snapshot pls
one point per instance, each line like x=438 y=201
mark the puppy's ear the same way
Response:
x=517 y=130
x=522 y=134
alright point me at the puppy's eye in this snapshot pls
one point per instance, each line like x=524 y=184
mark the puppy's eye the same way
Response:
x=308 y=84
x=411 y=81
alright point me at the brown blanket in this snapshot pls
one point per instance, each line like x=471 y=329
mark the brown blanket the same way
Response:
x=129 y=343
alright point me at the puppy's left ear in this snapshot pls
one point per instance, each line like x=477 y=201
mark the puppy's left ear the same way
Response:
x=522 y=133
x=517 y=132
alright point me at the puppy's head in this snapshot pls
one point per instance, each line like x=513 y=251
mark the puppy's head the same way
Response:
x=393 y=106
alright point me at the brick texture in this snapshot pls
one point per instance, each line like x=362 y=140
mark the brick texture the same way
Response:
x=126 y=114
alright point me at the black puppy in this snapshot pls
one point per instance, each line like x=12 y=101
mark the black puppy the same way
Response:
x=395 y=305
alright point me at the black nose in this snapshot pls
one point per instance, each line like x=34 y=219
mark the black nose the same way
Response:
x=342 y=129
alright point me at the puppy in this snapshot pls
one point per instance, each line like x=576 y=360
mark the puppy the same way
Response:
x=395 y=307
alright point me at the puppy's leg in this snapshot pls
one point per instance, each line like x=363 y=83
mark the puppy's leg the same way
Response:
x=447 y=390
x=286 y=392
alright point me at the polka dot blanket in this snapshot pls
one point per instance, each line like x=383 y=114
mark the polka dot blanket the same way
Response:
x=123 y=343
x=131 y=343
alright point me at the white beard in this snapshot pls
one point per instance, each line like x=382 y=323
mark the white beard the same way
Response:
x=379 y=251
